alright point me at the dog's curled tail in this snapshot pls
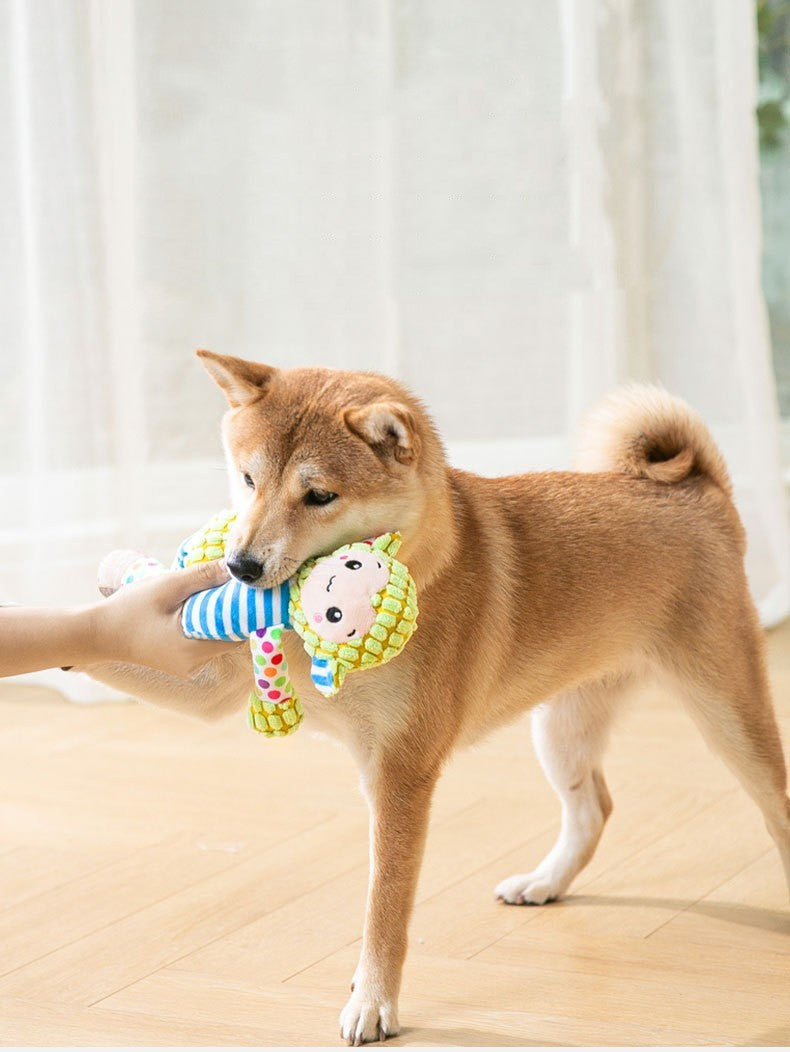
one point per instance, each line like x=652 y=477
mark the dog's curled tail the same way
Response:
x=646 y=432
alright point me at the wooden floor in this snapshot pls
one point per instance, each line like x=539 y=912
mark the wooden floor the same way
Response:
x=168 y=883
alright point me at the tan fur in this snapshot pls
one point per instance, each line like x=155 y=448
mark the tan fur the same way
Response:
x=646 y=432
x=572 y=585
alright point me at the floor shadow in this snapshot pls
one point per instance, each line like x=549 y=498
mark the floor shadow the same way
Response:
x=732 y=912
x=463 y=1037
x=776 y=1036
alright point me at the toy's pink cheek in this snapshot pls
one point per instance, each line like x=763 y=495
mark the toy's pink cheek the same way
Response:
x=318 y=618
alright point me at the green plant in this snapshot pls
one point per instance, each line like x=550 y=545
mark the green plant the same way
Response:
x=773 y=34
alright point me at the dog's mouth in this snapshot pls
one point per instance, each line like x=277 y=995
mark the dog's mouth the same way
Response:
x=275 y=576
x=271 y=575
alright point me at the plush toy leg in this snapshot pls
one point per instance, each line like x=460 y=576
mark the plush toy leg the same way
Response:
x=123 y=566
x=274 y=708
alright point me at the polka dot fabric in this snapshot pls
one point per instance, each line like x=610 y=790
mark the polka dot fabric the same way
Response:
x=274 y=709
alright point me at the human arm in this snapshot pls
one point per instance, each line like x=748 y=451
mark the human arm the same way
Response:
x=140 y=624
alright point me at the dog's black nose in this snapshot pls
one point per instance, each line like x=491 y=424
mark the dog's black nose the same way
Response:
x=245 y=568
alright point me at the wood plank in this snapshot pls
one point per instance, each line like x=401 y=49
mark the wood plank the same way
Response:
x=428 y=1018
x=41 y=1023
x=662 y=879
x=308 y=928
x=27 y=871
x=37 y=927
x=207 y=887
x=745 y=917
x=586 y=1006
x=644 y=813
x=183 y=901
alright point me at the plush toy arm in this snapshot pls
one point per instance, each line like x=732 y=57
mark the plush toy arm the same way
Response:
x=235 y=611
x=232 y=611
x=322 y=673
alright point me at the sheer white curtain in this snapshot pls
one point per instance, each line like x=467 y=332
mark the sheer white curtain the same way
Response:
x=512 y=206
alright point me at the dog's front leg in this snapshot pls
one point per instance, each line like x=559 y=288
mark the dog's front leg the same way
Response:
x=399 y=799
x=218 y=688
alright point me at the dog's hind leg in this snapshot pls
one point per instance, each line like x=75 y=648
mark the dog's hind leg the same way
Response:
x=727 y=694
x=570 y=733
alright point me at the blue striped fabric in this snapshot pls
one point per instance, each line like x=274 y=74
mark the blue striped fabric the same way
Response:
x=322 y=676
x=234 y=611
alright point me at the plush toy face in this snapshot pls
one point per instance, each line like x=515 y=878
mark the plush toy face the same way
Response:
x=336 y=597
x=354 y=609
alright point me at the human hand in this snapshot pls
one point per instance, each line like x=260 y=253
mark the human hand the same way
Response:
x=141 y=622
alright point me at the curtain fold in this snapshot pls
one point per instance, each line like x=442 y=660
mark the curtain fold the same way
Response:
x=510 y=206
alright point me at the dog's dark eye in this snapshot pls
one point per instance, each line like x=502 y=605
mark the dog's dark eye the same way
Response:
x=319 y=496
x=249 y=481
x=353 y=564
x=334 y=614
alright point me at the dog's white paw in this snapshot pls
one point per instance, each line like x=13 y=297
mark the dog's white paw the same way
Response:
x=527 y=889
x=368 y=1018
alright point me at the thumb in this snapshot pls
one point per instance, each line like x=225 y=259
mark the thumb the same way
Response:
x=196 y=578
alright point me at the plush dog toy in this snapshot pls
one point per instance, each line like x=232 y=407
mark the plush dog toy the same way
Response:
x=353 y=609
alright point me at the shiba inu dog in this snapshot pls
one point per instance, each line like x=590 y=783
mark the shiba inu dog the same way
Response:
x=573 y=586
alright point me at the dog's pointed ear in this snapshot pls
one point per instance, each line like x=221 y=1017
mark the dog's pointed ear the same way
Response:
x=242 y=382
x=388 y=428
